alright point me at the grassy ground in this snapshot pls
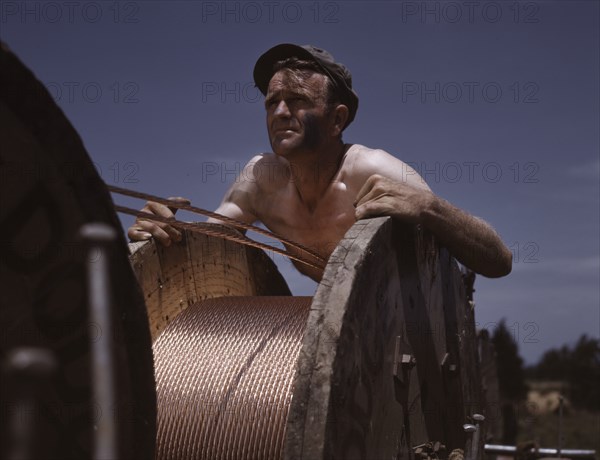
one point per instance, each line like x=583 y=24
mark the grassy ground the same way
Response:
x=581 y=428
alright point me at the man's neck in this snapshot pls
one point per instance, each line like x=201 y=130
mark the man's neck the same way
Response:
x=314 y=172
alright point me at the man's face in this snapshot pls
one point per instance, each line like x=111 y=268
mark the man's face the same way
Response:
x=297 y=116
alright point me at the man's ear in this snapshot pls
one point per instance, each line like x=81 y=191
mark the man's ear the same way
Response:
x=340 y=116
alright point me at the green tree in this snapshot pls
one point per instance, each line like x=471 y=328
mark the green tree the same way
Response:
x=584 y=373
x=578 y=367
x=554 y=365
x=511 y=375
x=511 y=379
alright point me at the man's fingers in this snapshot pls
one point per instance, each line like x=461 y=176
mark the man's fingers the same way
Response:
x=374 y=187
x=373 y=195
x=376 y=193
x=158 y=209
x=366 y=188
x=137 y=234
x=145 y=228
x=163 y=211
x=173 y=233
x=382 y=206
x=177 y=199
x=366 y=210
x=158 y=230
x=361 y=212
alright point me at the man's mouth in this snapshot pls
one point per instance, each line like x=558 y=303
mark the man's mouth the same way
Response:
x=284 y=129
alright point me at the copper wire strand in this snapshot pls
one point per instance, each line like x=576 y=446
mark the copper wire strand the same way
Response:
x=202 y=228
x=215 y=367
x=214 y=215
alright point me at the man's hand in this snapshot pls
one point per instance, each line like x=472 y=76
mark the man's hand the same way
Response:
x=164 y=233
x=471 y=240
x=380 y=196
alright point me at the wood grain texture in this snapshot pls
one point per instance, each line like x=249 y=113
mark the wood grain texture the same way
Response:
x=490 y=388
x=345 y=402
x=200 y=267
x=388 y=292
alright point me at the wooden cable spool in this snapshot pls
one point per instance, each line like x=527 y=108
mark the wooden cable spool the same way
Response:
x=49 y=189
x=244 y=375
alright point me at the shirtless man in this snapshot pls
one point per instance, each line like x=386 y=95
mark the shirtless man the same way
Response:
x=314 y=186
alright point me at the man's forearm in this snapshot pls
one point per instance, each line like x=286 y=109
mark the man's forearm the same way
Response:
x=471 y=240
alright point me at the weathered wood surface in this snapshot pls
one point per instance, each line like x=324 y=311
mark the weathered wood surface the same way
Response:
x=347 y=403
x=465 y=396
x=200 y=267
x=388 y=292
x=49 y=188
x=490 y=387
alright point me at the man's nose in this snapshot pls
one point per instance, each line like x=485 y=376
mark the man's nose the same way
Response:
x=282 y=109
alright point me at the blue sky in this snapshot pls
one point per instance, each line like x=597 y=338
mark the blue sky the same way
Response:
x=495 y=103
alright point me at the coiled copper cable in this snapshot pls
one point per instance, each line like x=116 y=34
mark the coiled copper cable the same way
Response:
x=316 y=260
x=224 y=371
x=207 y=229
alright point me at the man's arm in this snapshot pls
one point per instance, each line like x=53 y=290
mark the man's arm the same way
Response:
x=406 y=197
x=236 y=204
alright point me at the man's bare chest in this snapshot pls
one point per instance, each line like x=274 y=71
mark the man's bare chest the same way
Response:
x=320 y=227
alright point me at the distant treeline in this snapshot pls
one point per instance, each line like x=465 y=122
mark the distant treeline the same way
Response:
x=577 y=366
x=575 y=369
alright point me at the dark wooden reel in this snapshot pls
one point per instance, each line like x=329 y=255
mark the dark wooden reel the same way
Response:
x=49 y=188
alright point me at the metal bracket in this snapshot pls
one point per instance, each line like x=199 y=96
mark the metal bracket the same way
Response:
x=404 y=361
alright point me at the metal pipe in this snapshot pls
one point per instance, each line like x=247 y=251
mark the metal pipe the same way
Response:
x=560 y=419
x=469 y=429
x=569 y=453
x=29 y=371
x=477 y=418
x=99 y=237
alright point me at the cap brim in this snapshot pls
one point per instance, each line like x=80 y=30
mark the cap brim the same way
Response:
x=263 y=69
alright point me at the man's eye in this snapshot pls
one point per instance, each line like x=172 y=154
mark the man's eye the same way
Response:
x=271 y=104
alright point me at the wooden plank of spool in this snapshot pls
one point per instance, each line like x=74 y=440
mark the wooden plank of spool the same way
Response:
x=460 y=326
x=381 y=306
x=490 y=388
x=347 y=402
x=200 y=267
x=424 y=305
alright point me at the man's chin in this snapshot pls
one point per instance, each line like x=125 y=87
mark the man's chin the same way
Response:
x=284 y=148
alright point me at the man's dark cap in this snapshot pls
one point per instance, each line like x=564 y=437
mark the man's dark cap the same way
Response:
x=339 y=74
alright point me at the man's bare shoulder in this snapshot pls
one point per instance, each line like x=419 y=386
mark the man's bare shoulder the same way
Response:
x=363 y=162
x=268 y=172
x=245 y=198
